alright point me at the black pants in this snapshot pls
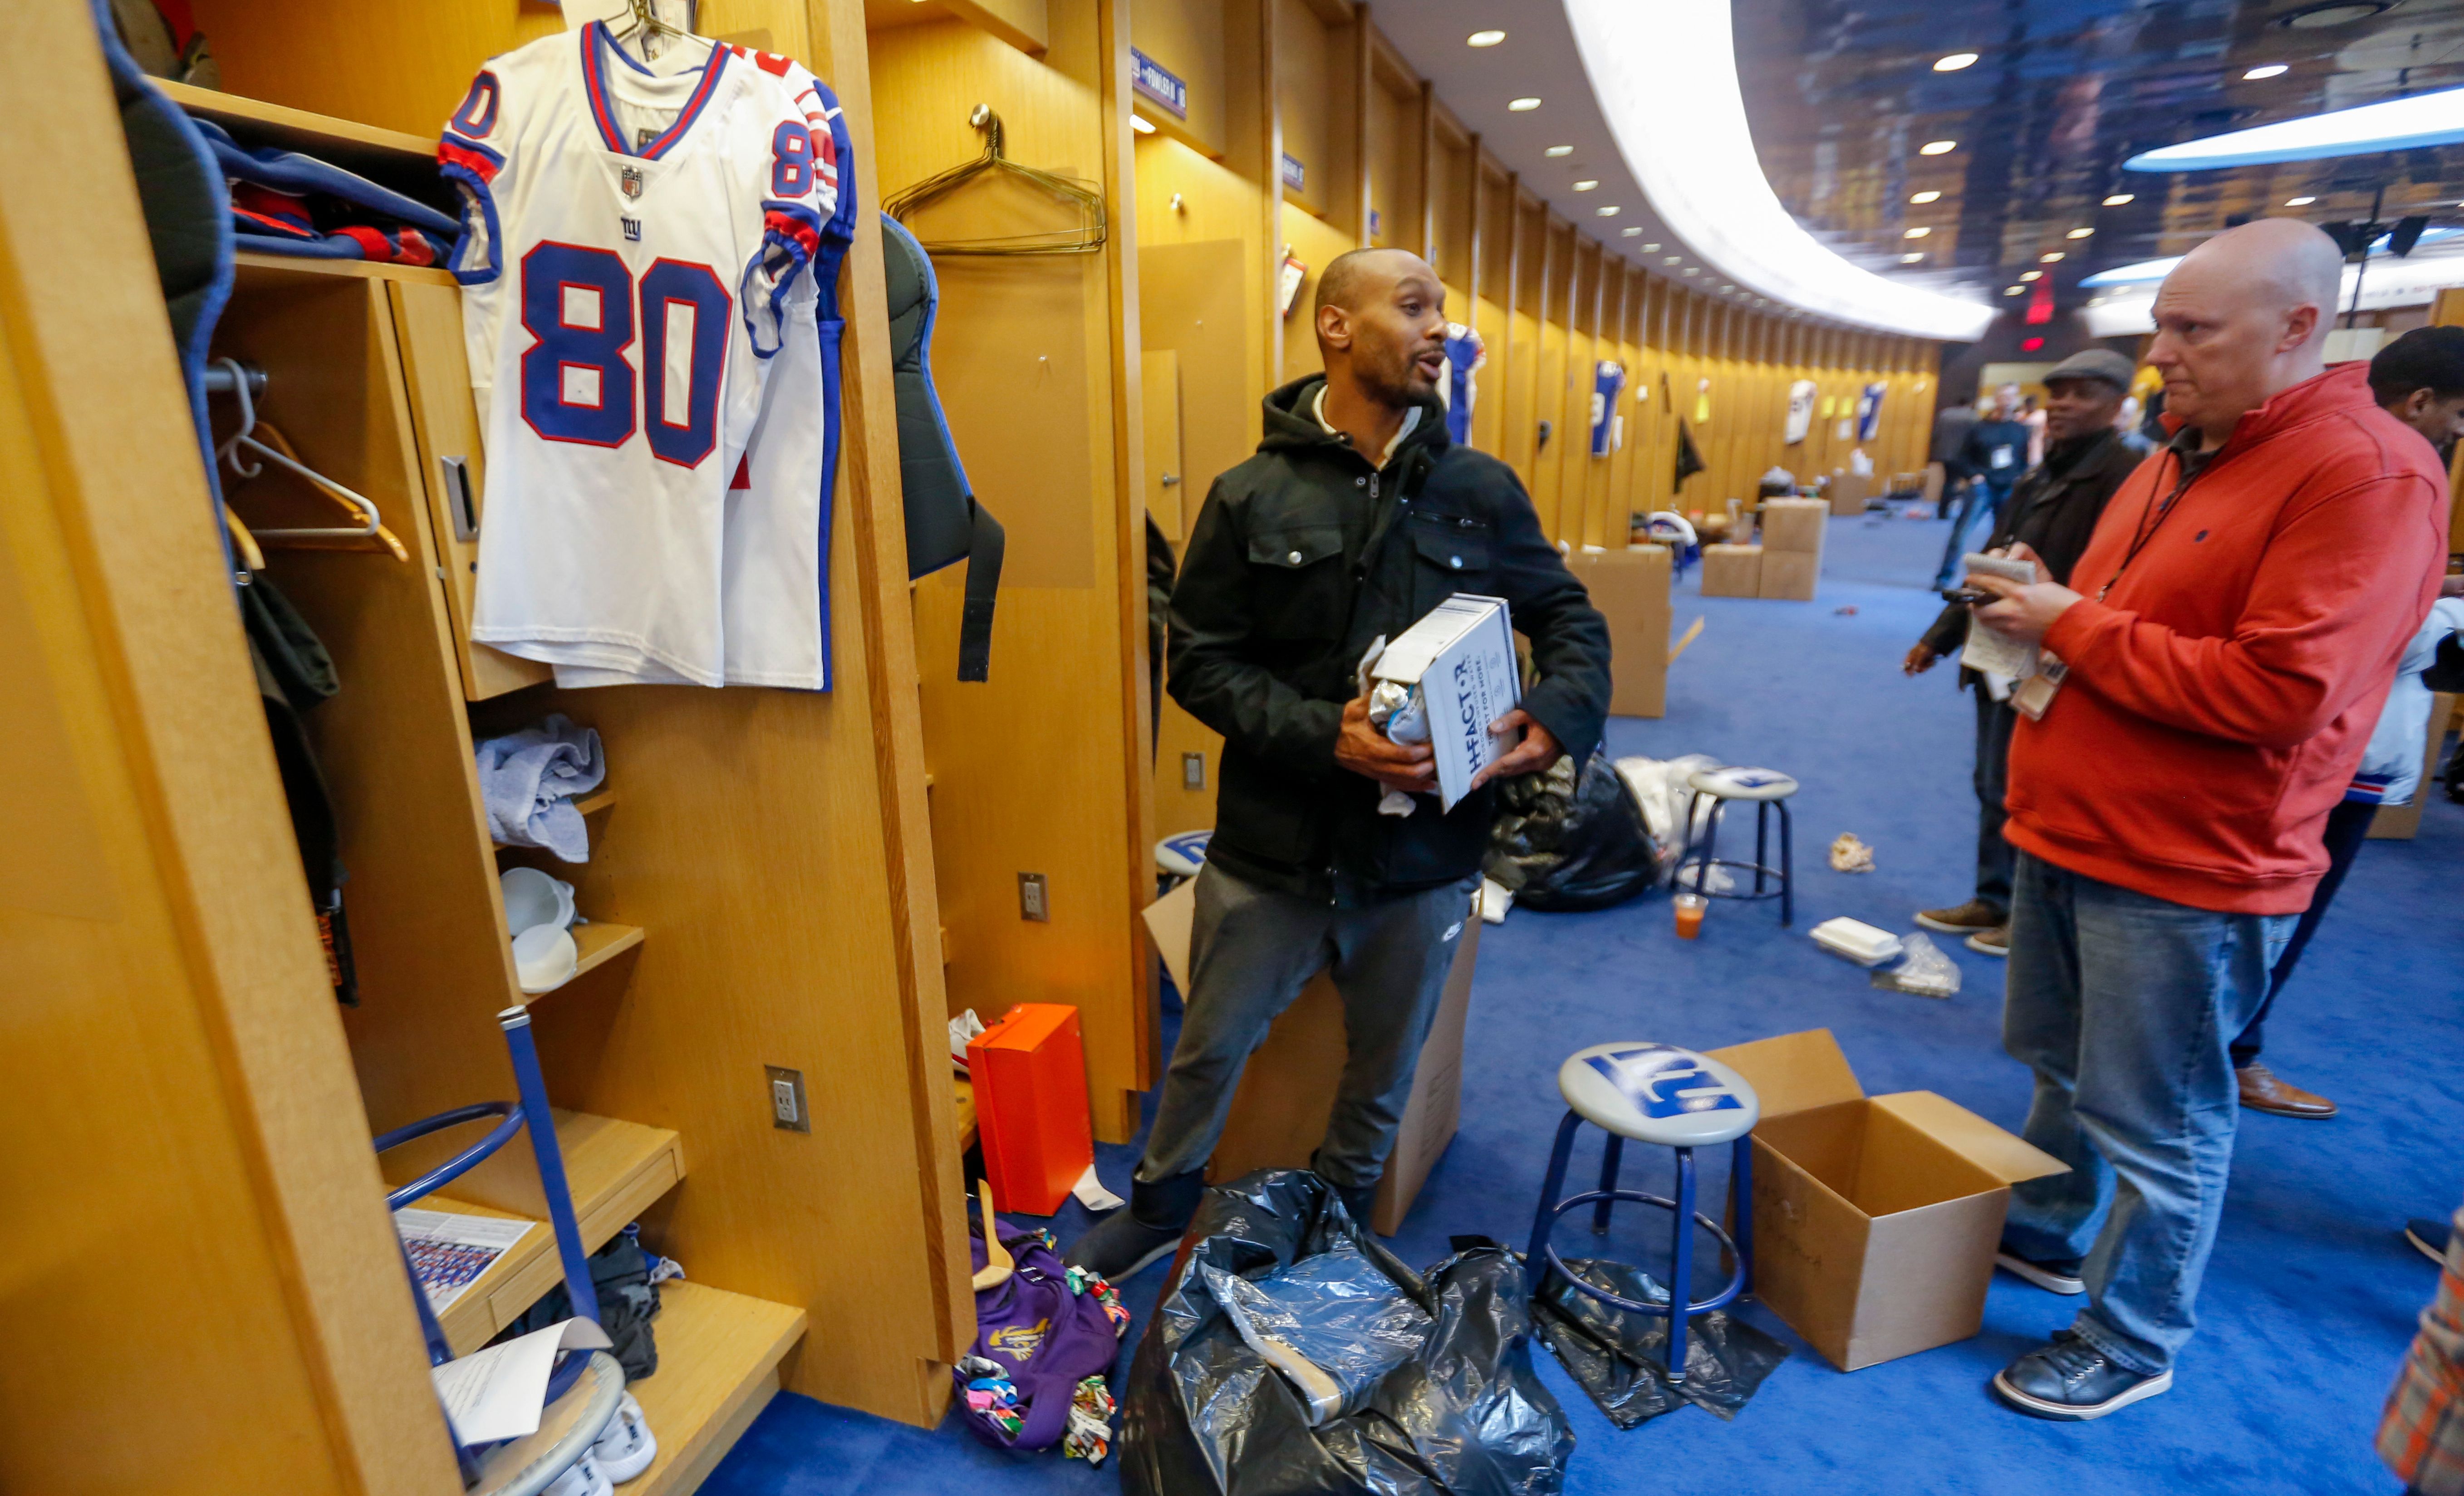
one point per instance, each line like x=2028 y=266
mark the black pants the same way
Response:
x=2348 y=825
x=1994 y=723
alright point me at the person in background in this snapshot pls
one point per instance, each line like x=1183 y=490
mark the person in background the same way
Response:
x=1995 y=452
x=2053 y=511
x=2421 y=1434
x=2032 y=416
x=2247 y=595
x=2419 y=380
x=1947 y=472
x=1355 y=517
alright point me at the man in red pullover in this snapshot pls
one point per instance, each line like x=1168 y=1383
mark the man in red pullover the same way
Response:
x=2239 y=618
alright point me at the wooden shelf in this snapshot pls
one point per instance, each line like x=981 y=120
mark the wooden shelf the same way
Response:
x=256 y=118
x=597 y=944
x=615 y=1170
x=966 y=1100
x=589 y=805
x=251 y=263
x=718 y=1367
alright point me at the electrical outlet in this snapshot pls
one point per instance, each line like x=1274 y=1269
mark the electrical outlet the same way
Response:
x=1193 y=771
x=1034 y=899
x=787 y=1110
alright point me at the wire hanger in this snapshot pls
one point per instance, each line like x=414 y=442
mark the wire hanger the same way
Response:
x=370 y=526
x=1086 y=238
x=643 y=21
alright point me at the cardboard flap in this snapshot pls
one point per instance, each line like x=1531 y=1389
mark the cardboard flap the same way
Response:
x=1963 y=1132
x=1169 y=921
x=1794 y=1073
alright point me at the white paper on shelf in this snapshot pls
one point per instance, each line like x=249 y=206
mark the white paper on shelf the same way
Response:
x=450 y=1251
x=1998 y=653
x=499 y=1392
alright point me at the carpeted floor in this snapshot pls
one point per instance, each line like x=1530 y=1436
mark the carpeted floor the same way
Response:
x=2311 y=1296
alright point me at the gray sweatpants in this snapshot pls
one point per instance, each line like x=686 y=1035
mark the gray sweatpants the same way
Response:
x=1251 y=952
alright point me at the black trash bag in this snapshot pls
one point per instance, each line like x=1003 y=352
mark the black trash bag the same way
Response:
x=1466 y=1416
x=1567 y=844
x=1622 y=1358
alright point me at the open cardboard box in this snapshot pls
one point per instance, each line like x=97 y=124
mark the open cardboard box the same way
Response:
x=1280 y=1110
x=1876 y=1218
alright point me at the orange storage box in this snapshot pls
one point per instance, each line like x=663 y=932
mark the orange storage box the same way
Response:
x=1030 y=1075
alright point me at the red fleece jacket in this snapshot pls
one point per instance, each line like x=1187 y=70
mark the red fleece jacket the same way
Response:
x=2221 y=691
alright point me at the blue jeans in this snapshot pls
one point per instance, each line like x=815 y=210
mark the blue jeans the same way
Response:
x=2123 y=1005
x=1982 y=494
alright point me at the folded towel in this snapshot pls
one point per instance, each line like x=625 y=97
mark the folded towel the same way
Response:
x=528 y=780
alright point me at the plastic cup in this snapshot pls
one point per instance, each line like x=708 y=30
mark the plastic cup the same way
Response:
x=1689 y=915
x=534 y=898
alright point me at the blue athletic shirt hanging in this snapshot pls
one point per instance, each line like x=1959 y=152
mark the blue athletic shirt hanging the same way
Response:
x=1869 y=412
x=1608 y=381
x=1465 y=353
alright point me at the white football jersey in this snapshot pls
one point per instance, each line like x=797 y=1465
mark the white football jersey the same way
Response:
x=631 y=264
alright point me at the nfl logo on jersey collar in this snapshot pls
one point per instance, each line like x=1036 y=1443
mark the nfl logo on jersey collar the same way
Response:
x=632 y=179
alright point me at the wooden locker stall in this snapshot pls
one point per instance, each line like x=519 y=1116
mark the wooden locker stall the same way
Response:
x=1044 y=770
x=1554 y=373
x=1393 y=122
x=1498 y=251
x=1319 y=65
x=1454 y=211
x=760 y=889
x=1528 y=232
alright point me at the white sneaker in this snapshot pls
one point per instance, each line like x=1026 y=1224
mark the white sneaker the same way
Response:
x=583 y=1479
x=626 y=1447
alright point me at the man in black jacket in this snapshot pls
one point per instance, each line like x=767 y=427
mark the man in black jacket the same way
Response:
x=2053 y=509
x=1355 y=517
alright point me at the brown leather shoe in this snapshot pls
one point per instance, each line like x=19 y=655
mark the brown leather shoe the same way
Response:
x=2262 y=1092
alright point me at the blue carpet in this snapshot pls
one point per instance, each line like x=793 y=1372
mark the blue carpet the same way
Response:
x=2309 y=1302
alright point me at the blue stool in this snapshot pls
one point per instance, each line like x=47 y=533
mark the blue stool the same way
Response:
x=1769 y=789
x=1679 y=1100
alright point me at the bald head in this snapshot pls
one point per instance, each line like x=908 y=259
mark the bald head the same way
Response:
x=2242 y=318
x=1381 y=326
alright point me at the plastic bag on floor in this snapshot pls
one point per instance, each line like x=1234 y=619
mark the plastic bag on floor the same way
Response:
x=1622 y=1358
x=1568 y=841
x=1923 y=969
x=1464 y=1414
x=1332 y=1324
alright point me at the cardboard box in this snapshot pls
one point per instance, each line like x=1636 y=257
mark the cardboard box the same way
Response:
x=1874 y=1217
x=1789 y=575
x=1286 y=1093
x=1849 y=491
x=1795 y=524
x=1029 y=1071
x=2403 y=822
x=1630 y=588
x=1461 y=656
x=1732 y=571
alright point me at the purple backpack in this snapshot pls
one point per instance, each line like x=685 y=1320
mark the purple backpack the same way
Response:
x=1042 y=1338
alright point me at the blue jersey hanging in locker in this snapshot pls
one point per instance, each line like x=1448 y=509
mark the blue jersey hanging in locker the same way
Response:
x=1461 y=387
x=1608 y=381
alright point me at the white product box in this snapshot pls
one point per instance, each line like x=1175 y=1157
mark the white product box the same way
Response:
x=1459 y=660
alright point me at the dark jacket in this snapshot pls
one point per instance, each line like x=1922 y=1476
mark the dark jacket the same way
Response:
x=1976 y=452
x=2053 y=510
x=1305 y=554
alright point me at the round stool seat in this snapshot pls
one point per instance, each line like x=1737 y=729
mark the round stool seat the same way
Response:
x=1182 y=853
x=1731 y=782
x=1658 y=1093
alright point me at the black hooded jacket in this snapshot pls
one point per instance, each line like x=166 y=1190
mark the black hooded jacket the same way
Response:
x=1305 y=554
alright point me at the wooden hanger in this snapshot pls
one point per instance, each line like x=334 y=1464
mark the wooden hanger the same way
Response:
x=241 y=384
x=999 y=1265
x=1086 y=238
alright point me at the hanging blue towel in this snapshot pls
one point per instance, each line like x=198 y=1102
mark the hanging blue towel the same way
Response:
x=528 y=782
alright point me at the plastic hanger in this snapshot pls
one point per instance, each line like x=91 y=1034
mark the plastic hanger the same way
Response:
x=1087 y=237
x=370 y=527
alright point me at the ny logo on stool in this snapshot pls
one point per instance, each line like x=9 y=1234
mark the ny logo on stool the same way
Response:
x=1664 y=1081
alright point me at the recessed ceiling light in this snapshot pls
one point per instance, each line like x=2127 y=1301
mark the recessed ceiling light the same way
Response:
x=1911 y=259
x=1635 y=232
x=1937 y=147
x=2014 y=291
x=2030 y=275
x=1484 y=38
x=1523 y=105
x=2079 y=233
x=1586 y=184
x=1954 y=62
x=1927 y=197
x=1724 y=289
x=1141 y=125
x=2300 y=202
x=1648 y=248
x=2267 y=70
x=2120 y=198
x=1558 y=150
x=2050 y=256
x=1689 y=270
x=1916 y=233
x=1674 y=259
x=1610 y=211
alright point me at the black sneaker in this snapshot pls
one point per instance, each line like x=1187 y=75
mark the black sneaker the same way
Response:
x=2429 y=1237
x=2058 y=1276
x=2074 y=1381
x=1141 y=1233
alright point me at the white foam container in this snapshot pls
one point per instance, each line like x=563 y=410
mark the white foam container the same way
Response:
x=1856 y=940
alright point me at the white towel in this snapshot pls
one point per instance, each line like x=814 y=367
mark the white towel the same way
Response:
x=528 y=780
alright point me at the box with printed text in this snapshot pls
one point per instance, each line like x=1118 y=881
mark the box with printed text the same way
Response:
x=1458 y=662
